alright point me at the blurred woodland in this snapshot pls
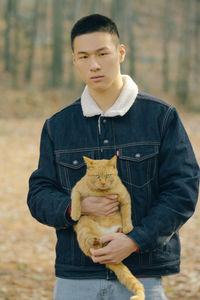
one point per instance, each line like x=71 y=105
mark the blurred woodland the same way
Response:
x=37 y=78
x=37 y=75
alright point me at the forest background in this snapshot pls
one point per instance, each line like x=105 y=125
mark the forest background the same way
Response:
x=162 y=39
x=37 y=78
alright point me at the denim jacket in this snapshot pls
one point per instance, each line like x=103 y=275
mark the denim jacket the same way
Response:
x=155 y=162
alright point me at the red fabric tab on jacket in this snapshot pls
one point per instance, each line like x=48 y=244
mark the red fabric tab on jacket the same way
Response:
x=138 y=250
x=69 y=210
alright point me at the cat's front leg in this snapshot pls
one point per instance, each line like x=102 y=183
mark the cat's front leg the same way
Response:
x=125 y=210
x=75 y=205
x=126 y=218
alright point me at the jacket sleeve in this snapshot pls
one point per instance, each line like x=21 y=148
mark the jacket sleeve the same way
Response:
x=47 y=202
x=178 y=180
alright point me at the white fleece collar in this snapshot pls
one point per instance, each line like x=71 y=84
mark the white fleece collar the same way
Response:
x=119 y=108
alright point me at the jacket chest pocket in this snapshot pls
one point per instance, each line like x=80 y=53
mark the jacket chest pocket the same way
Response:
x=71 y=167
x=137 y=164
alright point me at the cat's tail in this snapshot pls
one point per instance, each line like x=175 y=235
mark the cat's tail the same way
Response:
x=126 y=278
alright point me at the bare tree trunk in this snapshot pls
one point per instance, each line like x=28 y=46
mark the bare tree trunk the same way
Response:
x=197 y=43
x=15 y=62
x=130 y=17
x=29 y=67
x=166 y=44
x=45 y=7
x=57 y=59
x=75 y=11
x=7 y=46
x=95 y=6
x=117 y=13
x=132 y=71
x=123 y=13
x=184 y=60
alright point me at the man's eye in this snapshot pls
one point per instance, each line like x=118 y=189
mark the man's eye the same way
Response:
x=102 y=54
x=83 y=57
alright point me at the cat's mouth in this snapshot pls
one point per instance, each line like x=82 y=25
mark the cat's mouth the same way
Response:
x=103 y=188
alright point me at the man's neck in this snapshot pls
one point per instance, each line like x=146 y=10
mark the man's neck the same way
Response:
x=106 y=98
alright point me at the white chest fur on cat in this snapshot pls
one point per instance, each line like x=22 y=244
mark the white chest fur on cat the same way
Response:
x=110 y=229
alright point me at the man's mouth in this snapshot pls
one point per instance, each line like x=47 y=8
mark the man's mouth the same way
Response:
x=97 y=77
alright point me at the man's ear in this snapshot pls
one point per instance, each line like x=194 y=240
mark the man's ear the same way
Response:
x=73 y=58
x=122 y=52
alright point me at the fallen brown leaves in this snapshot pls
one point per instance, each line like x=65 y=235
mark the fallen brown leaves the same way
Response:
x=27 y=247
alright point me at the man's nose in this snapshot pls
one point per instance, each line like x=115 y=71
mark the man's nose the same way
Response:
x=94 y=66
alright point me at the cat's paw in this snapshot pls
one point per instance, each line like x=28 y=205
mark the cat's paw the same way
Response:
x=94 y=242
x=127 y=228
x=75 y=215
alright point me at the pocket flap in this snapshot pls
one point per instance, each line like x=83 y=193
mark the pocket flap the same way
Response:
x=138 y=153
x=73 y=160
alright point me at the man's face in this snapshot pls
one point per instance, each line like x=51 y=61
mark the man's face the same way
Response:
x=97 y=57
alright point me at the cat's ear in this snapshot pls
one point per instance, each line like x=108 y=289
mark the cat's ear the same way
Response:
x=113 y=161
x=88 y=161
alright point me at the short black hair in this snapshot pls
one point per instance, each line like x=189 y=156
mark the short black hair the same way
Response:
x=93 y=23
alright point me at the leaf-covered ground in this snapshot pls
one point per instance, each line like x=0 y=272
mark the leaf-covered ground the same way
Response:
x=27 y=247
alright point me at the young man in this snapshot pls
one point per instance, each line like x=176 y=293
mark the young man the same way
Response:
x=155 y=162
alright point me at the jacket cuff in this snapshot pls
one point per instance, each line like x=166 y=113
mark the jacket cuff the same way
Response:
x=68 y=218
x=137 y=238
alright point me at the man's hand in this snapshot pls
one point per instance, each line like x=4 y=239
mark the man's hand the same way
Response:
x=120 y=246
x=100 y=206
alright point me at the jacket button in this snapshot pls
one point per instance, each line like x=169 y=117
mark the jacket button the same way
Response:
x=138 y=155
x=75 y=162
x=104 y=121
x=106 y=141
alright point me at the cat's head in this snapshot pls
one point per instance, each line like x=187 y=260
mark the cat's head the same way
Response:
x=101 y=174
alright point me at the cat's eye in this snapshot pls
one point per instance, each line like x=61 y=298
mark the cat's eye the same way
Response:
x=108 y=175
x=97 y=176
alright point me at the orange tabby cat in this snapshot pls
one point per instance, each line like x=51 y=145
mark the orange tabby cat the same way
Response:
x=101 y=179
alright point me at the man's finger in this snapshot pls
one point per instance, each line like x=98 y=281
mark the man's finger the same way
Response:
x=98 y=252
x=113 y=205
x=107 y=238
x=112 y=209
x=111 y=197
x=102 y=259
x=111 y=212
